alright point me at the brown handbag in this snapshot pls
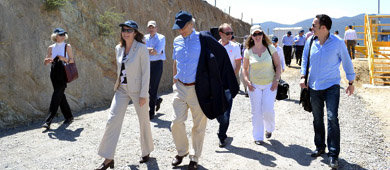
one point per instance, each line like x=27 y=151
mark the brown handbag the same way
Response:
x=70 y=70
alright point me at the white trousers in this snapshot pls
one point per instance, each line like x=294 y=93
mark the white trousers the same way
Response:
x=262 y=108
x=185 y=98
x=115 y=119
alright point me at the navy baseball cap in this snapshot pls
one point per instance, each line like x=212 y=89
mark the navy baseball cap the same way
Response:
x=289 y=32
x=275 y=39
x=181 y=19
x=130 y=23
x=59 y=31
x=302 y=31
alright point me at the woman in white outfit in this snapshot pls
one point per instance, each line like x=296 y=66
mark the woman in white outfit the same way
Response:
x=133 y=72
x=262 y=82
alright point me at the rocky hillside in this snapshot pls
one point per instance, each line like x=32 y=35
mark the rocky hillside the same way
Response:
x=25 y=87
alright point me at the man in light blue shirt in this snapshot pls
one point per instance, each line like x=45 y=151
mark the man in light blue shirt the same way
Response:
x=287 y=41
x=186 y=54
x=299 y=41
x=155 y=43
x=326 y=54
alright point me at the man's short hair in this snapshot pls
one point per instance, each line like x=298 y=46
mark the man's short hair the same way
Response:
x=310 y=29
x=325 y=20
x=222 y=26
x=350 y=26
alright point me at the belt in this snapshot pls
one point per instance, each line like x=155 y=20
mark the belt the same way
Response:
x=186 y=84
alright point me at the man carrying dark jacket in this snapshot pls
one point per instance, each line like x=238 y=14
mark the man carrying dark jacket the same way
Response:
x=201 y=74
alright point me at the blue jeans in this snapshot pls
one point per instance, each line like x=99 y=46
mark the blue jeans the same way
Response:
x=156 y=70
x=330 y=96
x=225 y=118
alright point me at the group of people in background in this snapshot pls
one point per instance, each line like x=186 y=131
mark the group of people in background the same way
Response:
x=209 y=91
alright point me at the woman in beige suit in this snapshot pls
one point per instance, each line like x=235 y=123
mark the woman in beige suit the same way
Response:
x=133 y=72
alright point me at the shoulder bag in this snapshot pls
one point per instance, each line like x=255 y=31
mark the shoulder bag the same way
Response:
x=70 y=69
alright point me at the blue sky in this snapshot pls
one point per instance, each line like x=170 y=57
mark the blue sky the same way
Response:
x=293 y=11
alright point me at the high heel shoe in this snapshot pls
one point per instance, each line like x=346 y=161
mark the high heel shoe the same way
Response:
x=104 y=167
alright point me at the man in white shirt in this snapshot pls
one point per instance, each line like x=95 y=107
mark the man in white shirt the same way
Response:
x=350 y=38
x=234 y=52
x=279 y=50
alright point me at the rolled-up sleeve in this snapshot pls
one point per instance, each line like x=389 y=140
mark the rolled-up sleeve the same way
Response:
x=346 y=61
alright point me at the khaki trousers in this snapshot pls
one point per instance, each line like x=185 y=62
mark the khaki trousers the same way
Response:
x=114 y=124
x=185 y=97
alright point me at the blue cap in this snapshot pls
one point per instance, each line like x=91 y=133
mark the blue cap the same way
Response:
x=59 y=31
x=302 y=31
x=275 y=39
x=289 y=32
x=130 y=23
x=181 y=19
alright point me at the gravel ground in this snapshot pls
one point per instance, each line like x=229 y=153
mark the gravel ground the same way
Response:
x=75 y=146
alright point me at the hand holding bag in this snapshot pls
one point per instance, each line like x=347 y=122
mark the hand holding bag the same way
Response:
x=70 y=69
x=283 y=87
x=305 y=93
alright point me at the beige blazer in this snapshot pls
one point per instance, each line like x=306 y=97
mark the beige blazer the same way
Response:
x=137 y=69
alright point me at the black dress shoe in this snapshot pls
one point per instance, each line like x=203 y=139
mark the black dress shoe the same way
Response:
x=144 y=159
x=104 y=167
x=317 y=152
x=46 y=125
x=68 y=121
x=178 y=159
x=259 y=142
x=268 y=134
x=158 y=103
x=222 y=143
x=193 y=165
x=333 y=162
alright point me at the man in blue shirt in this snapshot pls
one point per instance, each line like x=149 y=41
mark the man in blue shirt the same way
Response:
x=326 y=54
x=299 y=41
x=202 y=72
x=287 y=41
x=155 y=43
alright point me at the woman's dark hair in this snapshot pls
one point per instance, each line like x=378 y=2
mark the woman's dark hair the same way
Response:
x=138 y=37
x=324 y=20
x=249 y=43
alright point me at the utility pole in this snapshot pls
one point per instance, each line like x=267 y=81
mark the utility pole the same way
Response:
x=215 y=3
x=242 y=15
x=379 y=6
x=229 y=10
x=251 y=21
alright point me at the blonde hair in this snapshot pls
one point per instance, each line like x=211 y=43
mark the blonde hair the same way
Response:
x=54 y=37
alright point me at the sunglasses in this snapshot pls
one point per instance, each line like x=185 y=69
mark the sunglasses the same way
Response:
x=127 y=30
x=61 y=34
x=228 y=33
x=257 y=34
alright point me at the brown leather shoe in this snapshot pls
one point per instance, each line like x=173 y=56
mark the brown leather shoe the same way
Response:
x=104 y=167
x=193 y=165
x=178 y=159
x=144 y=159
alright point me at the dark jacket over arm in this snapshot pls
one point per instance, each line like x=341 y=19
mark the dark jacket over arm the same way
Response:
x=214 y=75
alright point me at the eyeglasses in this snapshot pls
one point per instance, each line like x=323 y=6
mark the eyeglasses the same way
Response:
x=63 y=34
x=228 y=33
x=127 y=30
x=257 y=34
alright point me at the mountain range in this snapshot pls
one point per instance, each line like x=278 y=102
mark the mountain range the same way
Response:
x=337 y=24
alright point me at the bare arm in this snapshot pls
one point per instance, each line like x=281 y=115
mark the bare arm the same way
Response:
x=48 y=58
x=246 y=74
x=278 y=68
x=238 y=66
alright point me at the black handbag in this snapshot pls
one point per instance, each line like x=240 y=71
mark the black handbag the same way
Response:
x=283 y=87
x=305 y=93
